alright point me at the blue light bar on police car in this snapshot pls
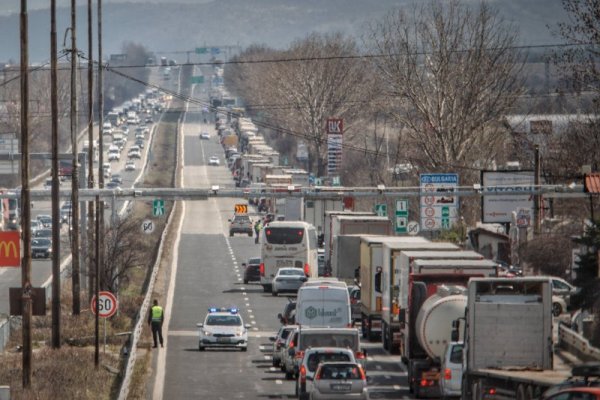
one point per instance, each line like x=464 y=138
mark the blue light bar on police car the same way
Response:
x=233 y=310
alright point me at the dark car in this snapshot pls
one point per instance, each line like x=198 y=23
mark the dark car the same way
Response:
x=41 y=248
x=44 y=233
x=289 y=314
x=252 y=270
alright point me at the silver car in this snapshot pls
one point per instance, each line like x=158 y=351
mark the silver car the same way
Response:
x=279 y=342
x=288 y=280
x=339 y=380
x=311 y=360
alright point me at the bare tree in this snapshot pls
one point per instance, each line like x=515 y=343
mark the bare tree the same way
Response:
x=451 y=74
x=124 y=250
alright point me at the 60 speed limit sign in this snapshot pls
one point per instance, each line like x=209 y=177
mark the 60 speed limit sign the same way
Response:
x=107 y=305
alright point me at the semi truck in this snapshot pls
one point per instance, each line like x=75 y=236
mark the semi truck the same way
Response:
x=431 y=294
x=390 y=323
x=509 y=351
x=371 y=293
x=314 y=211
x=352 y=224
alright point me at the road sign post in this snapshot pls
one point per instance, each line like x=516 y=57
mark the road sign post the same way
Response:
x=158 y=207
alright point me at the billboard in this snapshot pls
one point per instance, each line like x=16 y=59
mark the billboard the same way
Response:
x=10 y=249
x=498 y=208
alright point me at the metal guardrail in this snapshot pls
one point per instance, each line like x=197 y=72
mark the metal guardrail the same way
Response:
x=576 y=344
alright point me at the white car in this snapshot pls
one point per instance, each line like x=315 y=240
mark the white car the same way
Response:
x=114 y=156
x=214 y=160
x=205 y=136
x=288 y=280
x=223 y=327
x=451 y=373
x=130 y=165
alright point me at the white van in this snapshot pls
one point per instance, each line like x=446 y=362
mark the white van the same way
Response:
x=323 y=305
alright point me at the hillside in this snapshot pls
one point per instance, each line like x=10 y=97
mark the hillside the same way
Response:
x=173 y=26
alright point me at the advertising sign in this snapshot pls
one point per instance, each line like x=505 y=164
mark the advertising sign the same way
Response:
x=439 y=208
x=335 y=131
x=503 y=184
x=10 y=249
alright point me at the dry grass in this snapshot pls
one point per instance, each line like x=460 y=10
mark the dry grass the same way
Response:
x=69 y=372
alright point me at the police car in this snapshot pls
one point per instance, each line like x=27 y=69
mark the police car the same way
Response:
x=223 y=327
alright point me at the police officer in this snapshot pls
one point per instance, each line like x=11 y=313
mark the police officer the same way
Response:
x=155 y=320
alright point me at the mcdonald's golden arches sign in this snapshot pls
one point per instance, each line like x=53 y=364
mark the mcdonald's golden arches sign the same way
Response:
x=10 y=249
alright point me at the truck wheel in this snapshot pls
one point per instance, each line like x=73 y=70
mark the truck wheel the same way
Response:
x=521 y=392
x=230 y=234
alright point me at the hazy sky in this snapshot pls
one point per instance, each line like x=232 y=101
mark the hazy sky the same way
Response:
x=14 y=6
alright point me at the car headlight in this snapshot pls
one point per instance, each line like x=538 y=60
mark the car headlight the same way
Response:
x=207 y=333
x=240 y=333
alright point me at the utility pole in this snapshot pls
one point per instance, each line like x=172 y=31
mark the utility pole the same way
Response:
x=99 y=203
x=74 y=220
x=25 y=199
x=90 y=157
x=537 y=198
x=55 y=182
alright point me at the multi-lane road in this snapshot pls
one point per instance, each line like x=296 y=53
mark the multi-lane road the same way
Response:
x=208 y=273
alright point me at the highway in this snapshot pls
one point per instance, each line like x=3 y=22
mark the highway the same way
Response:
x=208 y=273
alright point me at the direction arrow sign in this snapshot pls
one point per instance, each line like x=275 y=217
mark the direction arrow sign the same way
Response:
x=158 y=207
x=107 y=305
x=241 y=209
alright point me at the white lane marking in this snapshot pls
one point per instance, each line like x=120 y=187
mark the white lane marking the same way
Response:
x=249 y=311
x=273 y=369
x=247 y=304
x=267 y=357
x=278 y=382
x=370 y=358
x=396 y=387
x=253 y=322
x=262 y=348
x=252 y=317
x=246 y=299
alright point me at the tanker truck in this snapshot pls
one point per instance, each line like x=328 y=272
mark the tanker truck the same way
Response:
x=432 y=332
x=432 y=294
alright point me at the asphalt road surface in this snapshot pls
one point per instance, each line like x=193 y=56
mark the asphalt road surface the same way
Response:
x=209 y=273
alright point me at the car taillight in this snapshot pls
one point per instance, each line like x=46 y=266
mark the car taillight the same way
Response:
x=291 y=345
x=492 y=391
x=426 y=382
x=360 y=355
x=303 y=374
x=447 y=374
x=262 y=269
x=317 y=376
x=307 y=270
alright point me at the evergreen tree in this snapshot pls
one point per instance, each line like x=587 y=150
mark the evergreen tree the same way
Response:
x=587 y=274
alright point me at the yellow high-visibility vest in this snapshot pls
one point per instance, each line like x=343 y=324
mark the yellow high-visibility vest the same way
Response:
x=157 y=313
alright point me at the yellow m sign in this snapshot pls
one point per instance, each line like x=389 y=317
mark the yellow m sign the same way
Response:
x=10 y=249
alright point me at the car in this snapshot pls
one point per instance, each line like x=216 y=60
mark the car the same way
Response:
x=65 y=212
x=289 y=313
x=130 y=165
x=41 y=247
x=286 y=363
x=354 y=293
x=112 y=185
x=149 y=120
x=35 y=225
x=139 y=142
x=310 y=362
x=288 y=280
x=214 y=160
x=132 y=153
x=117 y=179
x=584 y=383
x=48 y=184
x=223 y=327
x=451 y=370
x=339 y=380
x=252 y=270
x=114 y=156
x=279 y=342
x=205 y=136
x=45 y=220
x=240 y=223
x=44 y=233
x=566 y=291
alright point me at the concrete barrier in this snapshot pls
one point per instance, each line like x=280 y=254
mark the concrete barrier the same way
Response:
x=576 y=344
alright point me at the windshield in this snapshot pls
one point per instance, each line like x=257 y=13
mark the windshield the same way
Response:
x=40 y=242
x=343 y=340
x=284 y=235
x=224 y=320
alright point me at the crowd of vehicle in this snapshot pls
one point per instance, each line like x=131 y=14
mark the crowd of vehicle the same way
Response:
x=352 y=279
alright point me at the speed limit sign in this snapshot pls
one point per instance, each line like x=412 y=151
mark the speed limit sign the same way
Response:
x=107 y=305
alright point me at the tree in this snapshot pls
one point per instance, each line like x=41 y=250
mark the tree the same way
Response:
x=587 y=272
x=582 y=28
x=124 y=250
x=451 y=74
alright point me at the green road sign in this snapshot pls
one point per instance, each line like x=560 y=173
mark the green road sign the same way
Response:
x=201 y=50
x=158 y=207
x=381 y=210
x=198 y=79
x=401 y=216
x=445 y=212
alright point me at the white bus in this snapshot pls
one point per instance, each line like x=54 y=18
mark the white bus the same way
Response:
x=287 y=244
